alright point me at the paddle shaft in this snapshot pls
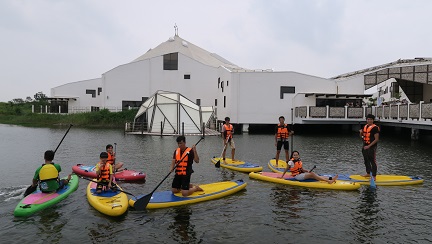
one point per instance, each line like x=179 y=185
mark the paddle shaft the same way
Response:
x=31 y=189
x=217 y=165
x=106 y=184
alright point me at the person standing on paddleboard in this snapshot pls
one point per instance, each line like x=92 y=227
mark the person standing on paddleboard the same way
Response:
x=281 y=138
x=47 y=175
x=182 y=161
x=370 y=137
x=227 y=136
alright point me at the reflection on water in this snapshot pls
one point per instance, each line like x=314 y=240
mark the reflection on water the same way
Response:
x=182 y=230
x=102 y=232
x=367 y=219
x=227 y=175
x=287 y=201
x=50 y=226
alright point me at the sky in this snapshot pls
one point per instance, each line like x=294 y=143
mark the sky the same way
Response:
x=47 y=43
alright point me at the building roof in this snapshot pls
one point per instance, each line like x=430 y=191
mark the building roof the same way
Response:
x=397 y=63
x=177 y=44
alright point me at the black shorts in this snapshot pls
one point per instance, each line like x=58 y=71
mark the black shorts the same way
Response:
x=284 y=143
x=181 y=182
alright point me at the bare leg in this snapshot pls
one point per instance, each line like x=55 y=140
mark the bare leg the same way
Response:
x=286 y=156
x=232 y=154
x=223 y=154
x=277 y=157
x=317 y=177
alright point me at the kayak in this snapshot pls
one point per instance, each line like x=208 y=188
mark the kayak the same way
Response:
x=211 y=191
x=38 y=200
x=112 y=203
x=124 y=175
x=383 y=180
x=311 y=183
x=241 y=166
x=279 y=168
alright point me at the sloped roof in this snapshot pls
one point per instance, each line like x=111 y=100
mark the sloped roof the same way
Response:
x=177 y=44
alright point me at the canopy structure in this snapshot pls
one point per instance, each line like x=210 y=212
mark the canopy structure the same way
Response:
x=171 y=113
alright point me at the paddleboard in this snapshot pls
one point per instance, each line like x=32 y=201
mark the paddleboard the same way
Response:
x=383 y=180
x=282 y=164
x=112 y=203
x=124 y=175
x=311 y=183
x=241 y=166
x=211 y=191
x=38 y=200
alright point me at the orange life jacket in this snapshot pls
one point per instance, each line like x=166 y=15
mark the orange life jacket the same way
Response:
x=110 y=159
x=367 y=133
x=104 y=172
x=297 y=168
x=228 y=130
x=282 y=131
x=182 y=161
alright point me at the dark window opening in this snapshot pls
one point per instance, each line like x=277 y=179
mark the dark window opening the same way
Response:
x=94 y=109
x=224 y=101
x=198 y=102
x=187 y=77
x=322 y=102
x=215 y=102
x=227 y=82
x=131 y=104
x=99 y=90
x=286 y=89
x=222 y=86
x=92 y=92
x=394 y=89
x=59 y=107
x=170 y=61
x=218 y=82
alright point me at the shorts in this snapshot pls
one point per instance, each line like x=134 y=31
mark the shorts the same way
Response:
x=231 y=143
x=284 y=143
x=300 y=176
x=181 y=182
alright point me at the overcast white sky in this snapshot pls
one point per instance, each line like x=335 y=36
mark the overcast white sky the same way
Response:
x=44 y=44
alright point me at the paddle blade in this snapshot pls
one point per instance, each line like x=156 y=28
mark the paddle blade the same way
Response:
x=217 y=165
x=141 y=203
x=29 y=190
x=372 y=181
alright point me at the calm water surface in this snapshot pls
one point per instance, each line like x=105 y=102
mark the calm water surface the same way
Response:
x=263 y=213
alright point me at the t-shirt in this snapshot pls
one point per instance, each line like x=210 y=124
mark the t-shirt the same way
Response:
x=48 y=185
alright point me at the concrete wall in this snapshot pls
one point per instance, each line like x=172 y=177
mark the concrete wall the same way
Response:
x=78 y=89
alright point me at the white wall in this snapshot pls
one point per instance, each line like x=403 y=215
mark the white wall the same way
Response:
x=353 y=85
x=78 y=89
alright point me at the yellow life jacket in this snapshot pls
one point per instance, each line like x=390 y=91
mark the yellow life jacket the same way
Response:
x=48 y=172
x=181 y=168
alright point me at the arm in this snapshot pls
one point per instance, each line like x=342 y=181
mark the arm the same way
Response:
x=110 y=177
x=172 y=165
x=287 y=167
x=196 y=157
x=34 y=182
x=375 y=141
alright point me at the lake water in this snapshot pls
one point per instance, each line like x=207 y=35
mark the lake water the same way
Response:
x=263 y=213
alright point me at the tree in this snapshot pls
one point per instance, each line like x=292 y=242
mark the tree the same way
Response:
x=28 y=100
x=40 y=96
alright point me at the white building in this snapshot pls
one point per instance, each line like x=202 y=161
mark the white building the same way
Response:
x=176 y=65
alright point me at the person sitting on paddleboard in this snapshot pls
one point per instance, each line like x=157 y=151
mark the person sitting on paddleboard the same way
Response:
x=295 y=165
x=183 y=158
x=47 y=175
x=112 y=158
x=104 y=173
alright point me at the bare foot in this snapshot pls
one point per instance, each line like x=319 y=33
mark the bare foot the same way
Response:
x=333 y=180
x=197 y=188
x=366 y=175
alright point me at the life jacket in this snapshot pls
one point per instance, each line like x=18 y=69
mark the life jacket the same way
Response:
x=110 y=159
x=282 y=132
x=182 y=161
x=48 y=172
x=367 y=133
x=228 y=131
x=297 y=168
x=104 y=172
x=48 y=177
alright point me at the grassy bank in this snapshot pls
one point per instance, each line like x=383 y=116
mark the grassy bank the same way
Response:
x=20 y=114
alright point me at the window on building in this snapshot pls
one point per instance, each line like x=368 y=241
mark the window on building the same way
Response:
x=222 y=86
x=286 y=89
x=99 y=90
x=218 y=82
x=187 y=77
x=170 y=61
x=224 y=101
x=215 y=102
x=394 y=89
x=198 y=102
x=227 y=82
x=92 y=92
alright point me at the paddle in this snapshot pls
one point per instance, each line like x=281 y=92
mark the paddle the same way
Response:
x=106 y=184
x=217 y=165
x=141 y=203
x=372 y=181
x=312 y=168
x=32 y=188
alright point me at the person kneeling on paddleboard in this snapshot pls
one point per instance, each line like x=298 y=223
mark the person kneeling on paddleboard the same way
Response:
x=47 y=175
x=295 y=166
x=182 y=164
x=104 y=172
